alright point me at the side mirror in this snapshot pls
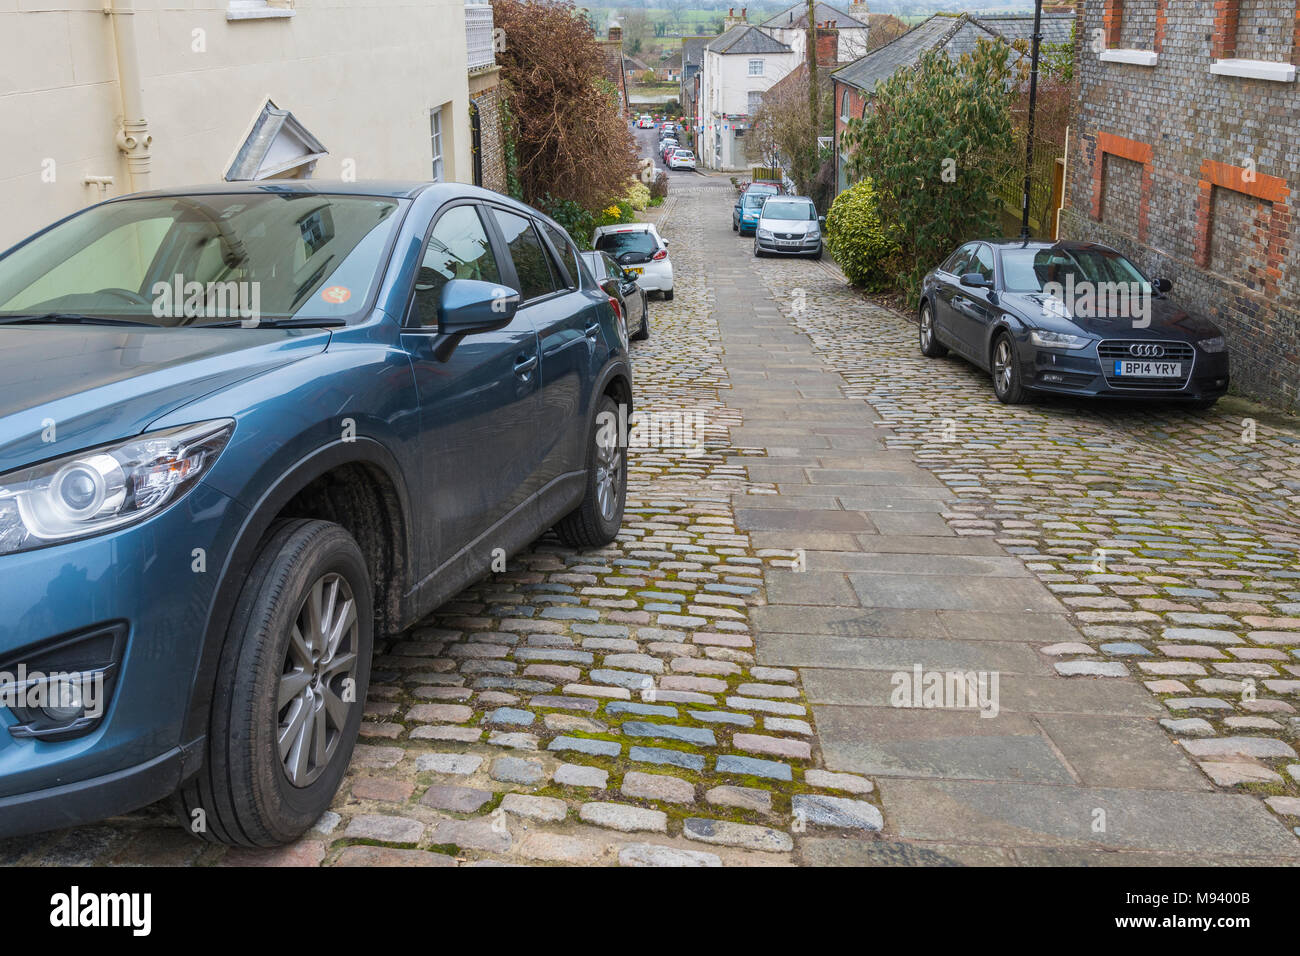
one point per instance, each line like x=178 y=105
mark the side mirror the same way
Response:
x=821 y=220
x=1162 y=285
x=975 y=281
x=467 y=306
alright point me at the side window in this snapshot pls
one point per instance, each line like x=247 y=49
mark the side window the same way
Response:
x=457 y=249
x=958 y=261
x=983 y=262
x=530 y=257
x=560 y=241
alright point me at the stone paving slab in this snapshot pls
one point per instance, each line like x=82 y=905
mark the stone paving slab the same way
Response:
x=1024 y=815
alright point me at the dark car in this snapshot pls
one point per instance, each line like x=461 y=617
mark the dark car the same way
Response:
x=246 y=432
x=1072 y=318
x=622 y=286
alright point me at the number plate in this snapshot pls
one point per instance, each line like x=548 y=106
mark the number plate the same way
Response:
x=1148 y=369
x=635 y=271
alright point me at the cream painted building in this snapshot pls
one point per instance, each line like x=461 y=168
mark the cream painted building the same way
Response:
x=161 y=93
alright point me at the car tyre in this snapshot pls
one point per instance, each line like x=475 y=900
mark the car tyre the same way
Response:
x=668 y=296
x=930 y=345
x=758 y=253
x=1006 y=372
x=595 y=522
x=643 y=332
x=309 y=579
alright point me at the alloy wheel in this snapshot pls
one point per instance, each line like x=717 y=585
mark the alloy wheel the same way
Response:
x=320 y=663
x=1002 y=366
x=927 y=328
x=609 y=472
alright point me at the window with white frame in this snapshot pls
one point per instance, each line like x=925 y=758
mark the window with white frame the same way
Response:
x=435 y=136
x=755 y=101
x=756 y=67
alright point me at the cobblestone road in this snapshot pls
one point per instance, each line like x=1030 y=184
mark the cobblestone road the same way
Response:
x=715 y=689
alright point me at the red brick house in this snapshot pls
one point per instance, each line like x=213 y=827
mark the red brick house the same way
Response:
x=1186 y=136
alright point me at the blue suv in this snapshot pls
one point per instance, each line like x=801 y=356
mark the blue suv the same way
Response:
x=246 y=429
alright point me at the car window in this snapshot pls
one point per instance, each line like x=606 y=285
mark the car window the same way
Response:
x=1032 y=270
x=982 y=262
x=300 y=255
x=637 y=241
x=778 y=209
x=609 y=267
x=532 y=264
x=564 y=246
x=458 y=248
x=959 y=260
x=596 y=264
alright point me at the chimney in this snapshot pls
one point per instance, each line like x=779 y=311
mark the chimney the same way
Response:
x=859 y=11
x=732 y=20
x=615 y=33
x=828 y=45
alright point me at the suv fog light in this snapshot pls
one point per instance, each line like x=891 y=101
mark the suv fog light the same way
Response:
x=61 y=689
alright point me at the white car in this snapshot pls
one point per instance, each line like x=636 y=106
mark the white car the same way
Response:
x=638 y=248
x=645 y=122
x=681 y=159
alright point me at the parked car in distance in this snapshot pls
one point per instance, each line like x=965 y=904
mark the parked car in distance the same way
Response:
x=746 y=210
x=788 y=226
x=770 y=185
x=288 y=419
x=644 y=121
x=666 y=148
x=622 y=285
x=1069 y=317
x=681 y=159
x=639 y=249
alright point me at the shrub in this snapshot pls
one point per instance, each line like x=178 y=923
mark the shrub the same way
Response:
x=618 y=211
x=577 y=222
x=659 y=188
x=858 y=239
x=638 y=196
x=935 y=141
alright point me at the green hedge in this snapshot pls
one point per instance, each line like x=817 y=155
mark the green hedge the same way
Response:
x=858 y=240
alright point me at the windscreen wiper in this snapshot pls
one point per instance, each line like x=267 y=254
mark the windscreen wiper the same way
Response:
x=69 y=318
x=272 y=324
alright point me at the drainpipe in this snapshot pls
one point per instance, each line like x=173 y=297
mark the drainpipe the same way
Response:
x=133 y=136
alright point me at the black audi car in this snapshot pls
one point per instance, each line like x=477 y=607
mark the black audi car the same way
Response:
x=1069 y=317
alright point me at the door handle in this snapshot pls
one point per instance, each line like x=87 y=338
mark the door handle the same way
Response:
x=593 y=330
x=525 y=365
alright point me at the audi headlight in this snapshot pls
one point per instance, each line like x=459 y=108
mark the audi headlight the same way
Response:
x=1058 y=340
x=1216 y=344
x=94 y=491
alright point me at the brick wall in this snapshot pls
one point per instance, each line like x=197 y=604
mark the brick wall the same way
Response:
x=491 y=146
x=1193 y=174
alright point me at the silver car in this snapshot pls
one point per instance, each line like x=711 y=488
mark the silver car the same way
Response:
x=789 y=226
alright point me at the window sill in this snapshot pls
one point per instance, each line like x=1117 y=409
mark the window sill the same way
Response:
x=259 y=13
x=1132 y=57
x=1255 y=70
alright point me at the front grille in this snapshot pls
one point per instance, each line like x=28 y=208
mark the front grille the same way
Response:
x=1108 y=352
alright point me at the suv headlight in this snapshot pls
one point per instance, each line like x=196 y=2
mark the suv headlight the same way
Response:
x=103 y=488
x=1058 y=340
x=1216 y=344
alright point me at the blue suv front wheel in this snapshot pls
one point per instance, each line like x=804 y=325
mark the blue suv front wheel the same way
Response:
x=290 y=690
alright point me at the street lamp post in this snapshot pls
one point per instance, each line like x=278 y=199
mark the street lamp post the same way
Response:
x=1036 y=42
